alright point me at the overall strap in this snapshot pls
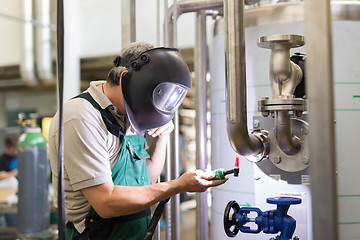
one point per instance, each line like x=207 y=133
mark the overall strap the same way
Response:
x=109 y=119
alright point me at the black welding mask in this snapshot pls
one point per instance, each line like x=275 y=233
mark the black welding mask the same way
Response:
x=154 y=87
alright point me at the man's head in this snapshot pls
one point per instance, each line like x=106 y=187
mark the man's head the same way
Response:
x=10 y=144
x=154 y=82
x=132 y=50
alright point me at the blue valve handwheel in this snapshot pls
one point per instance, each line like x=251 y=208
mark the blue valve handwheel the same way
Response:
x=283 y=200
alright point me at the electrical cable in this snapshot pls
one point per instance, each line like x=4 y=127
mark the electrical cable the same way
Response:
x=155 y=219
x=60 y=74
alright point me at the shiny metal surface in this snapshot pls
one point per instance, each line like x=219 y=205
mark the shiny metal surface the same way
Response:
x=43 y=43
x=172 y=14
x=201 y=121
x=284 y=77
x=236 y=105
x=282 y=160
x=320 y=94
x=268 y=166
x=181 y=7
x=286 y=138
x=290 y=40
x=27 y=65
x=128 y=22
x=291 y=12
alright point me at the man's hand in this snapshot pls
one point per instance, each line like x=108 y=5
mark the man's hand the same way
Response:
x=194 y=182
x=5 y=175
x=162 y=131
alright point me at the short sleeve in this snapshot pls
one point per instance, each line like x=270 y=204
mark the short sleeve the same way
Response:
x=86 y=156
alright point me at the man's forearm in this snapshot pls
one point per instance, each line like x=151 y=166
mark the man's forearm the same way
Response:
x=157 y=152
x=110 y=201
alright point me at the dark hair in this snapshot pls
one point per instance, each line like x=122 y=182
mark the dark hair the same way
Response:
x=133 y=49
x=11 y=140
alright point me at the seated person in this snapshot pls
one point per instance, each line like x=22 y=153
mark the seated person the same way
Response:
x=8 y=171
x=8 y=160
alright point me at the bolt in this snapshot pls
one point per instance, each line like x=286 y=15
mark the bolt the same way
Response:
x=305 y=130
x=265 y=98
x=276 y=159
x=256 y=123
x=265 y=113
x=298 y=113
x=305 y=160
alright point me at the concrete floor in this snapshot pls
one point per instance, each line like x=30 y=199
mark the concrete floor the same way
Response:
x=188 y=226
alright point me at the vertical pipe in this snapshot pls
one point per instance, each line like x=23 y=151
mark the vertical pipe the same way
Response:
x=236 y=107
x=175 y=200
x=158 y=23
x=43 y=43
x=201 y=122
x=174 y=139
x=128 y=22
x=168 y=149
x=321 y=119
x=27 y=66
x=168 y=178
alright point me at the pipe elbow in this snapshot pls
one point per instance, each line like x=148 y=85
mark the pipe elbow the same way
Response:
x=242 y=142
x=289 y=143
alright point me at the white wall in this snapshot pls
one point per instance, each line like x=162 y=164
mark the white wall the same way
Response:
x=92 y=28
x=10 y=32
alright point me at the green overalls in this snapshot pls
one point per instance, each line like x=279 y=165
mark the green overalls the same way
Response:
x=129 y=170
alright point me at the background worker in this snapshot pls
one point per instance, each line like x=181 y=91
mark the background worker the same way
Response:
x=8 y=160
x=9 y=172
x=110 y=174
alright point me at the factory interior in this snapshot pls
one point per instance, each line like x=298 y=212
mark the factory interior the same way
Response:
x=274 y=105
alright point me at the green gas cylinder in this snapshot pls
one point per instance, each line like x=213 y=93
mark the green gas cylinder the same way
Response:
x=34 y=176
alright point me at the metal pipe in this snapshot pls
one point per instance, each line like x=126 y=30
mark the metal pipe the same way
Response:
x=128 y=22
x=172 y=14
x=175 y=200
x=27 y=65
x=288 y=142
x=187 y=7
x=27 y=20
x=320 y=93
x=168 y=207
x=174 y=143
x=236 y=107
x=43 y=44
x=202 y=225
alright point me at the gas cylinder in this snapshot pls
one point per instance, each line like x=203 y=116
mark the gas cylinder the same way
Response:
x=33 y=167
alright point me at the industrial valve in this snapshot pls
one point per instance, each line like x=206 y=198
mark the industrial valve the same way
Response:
x=272 y=221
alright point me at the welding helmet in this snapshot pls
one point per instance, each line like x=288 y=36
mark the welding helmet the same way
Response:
x=154 y=87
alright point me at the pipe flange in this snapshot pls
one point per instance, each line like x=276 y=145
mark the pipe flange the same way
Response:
x=298 y=161
x=297 y=105
x=282 y=108
x=262 y=136
x=282 y=101
x=291 y=40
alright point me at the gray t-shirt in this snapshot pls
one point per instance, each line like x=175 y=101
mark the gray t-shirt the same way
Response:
x=90 y=151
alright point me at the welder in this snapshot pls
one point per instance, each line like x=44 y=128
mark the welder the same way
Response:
x=110 y=172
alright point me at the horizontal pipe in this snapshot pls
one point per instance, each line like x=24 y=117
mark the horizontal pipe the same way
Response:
x=27 y=20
